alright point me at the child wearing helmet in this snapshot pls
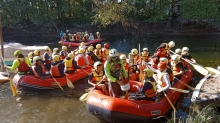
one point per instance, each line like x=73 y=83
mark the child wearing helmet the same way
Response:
x=145 y=58
x=116 y=74
x=98 y=51
x=136 y=55
x=124 y=62
x=63 y=52
x=31 y=56
x=149 y=88
x=81 y=59
x=131 y=59
x=186 y=55
x=46 y=58
x=23 y=64
x=70 y=64
x=39 y=69
x=98 y=36
x=57 y=67
x=177 y=67
x=55 y=52
x=98 y=75
x=106 y=50
x=92 y=58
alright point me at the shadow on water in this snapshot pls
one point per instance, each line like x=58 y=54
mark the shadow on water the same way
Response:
x=64 y=106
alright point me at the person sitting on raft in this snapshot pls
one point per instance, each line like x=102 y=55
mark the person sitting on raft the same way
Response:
x=23 y=64
x=97 y=76
x=57 y=67
x=187 y=56
x=70 y=64
x=177 y=67
x=39 y=69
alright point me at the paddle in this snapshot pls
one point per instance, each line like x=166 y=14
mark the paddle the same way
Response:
x=197 y=67
x=169 y=101
x=157 y=71
x=126 y=93
x=84 y=96
x=85 y=71
x=69 y=83
x=57 y=83
x=12 y=85
x=140 y=67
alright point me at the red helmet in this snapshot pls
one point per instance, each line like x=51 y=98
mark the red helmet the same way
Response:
x=162 y=65
x=106 y=45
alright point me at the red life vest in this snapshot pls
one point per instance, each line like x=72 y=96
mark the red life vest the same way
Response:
x=54 y=71
x=89 y=59
x=81 y=61
x=42 y=68
x=152 y=92
x=161 y=53
x=23 y=66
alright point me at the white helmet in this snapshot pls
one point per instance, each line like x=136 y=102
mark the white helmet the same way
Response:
x=163 y=59
x=70 y=55
x=122 y=56
x=125 y=87
x=145 y=49
x=97 y=64
x=178 y=50
x=175 y=57
x=113 y=53
x=36 y=58
x=55 y=50
x=185 y=48
x=171 y=44
x=64 y=48
x=134 y=51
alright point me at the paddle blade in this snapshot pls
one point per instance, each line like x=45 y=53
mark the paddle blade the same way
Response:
x=83 y=97
x=13 y=88
x=179 y=90
x=69 y=83
x=200 y=69
x=213 y=71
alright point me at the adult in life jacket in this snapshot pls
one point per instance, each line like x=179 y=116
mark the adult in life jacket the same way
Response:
x=162 y=80
x=124 y=62
x=39 y=70
x=98 y=51
x=96 y=76
x=23 y=64
x=106 y=50
x=116 y=74
x=31 y=56
x=63 y=52
x=55 y=52
x=149 y=88
x=70 y=64
x=177 y=67
x=57 y=67
x=186 y=55
x=81 y=59
x=98 y=36
x=47 y=58
x=168 y=69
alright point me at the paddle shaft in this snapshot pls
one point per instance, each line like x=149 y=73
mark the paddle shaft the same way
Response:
x=190 y=87
x=69 y=83
x=140 y=67
x=57 y=83
x=169 y=101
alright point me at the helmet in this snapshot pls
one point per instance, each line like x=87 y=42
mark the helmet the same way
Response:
x=31 y=55
x=97 y=64
x=17 y=52
x=36 y=58
x=64 y=34
x=97 y=33
x=47 y=48
x=56 y=58
x=55 y=49
x=145 y=49
x=67 y=30
x=64 y=48
x=171 y=44
x=162 y=65
x=122 y=57
x=36 y=52
x=81 y=51
x=98 y=46
x=106 y=45
x=163 y=59
x=70 y=55
x=125 y=87
x=82 y=44
x=134 y=51
x=149 y=72
x=185 y=48
x=178 y=50
x=113 y=53
x=175 y=57
x=90 y=48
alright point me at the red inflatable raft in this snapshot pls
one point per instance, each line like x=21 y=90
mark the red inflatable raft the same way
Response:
x=30 y=81
x=77 y=43
x=119 y=109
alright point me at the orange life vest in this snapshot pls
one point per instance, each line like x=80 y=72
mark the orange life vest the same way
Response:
x=42 y=68
x=152 y=92
x=163 y=84
x=126 y=65
x=81 y=61
x=89 y=59
x=23 y=66
x=54 y=71
x=98 y=52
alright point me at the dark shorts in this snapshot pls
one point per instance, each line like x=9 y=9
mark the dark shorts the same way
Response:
x=114 y=89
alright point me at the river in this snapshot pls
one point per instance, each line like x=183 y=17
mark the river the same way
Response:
x=64 y=106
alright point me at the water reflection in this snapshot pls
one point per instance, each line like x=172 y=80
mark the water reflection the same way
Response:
x=58 y=106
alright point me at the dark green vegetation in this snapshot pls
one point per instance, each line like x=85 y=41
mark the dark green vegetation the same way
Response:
x=105 y=13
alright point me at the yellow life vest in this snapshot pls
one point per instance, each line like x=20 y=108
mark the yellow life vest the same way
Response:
x=68 y=64
x=97 y=77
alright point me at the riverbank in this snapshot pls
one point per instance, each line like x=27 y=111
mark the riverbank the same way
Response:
x=52 y=31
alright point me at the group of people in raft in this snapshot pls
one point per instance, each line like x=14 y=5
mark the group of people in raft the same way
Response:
x=112 y=78
x=78 y=36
